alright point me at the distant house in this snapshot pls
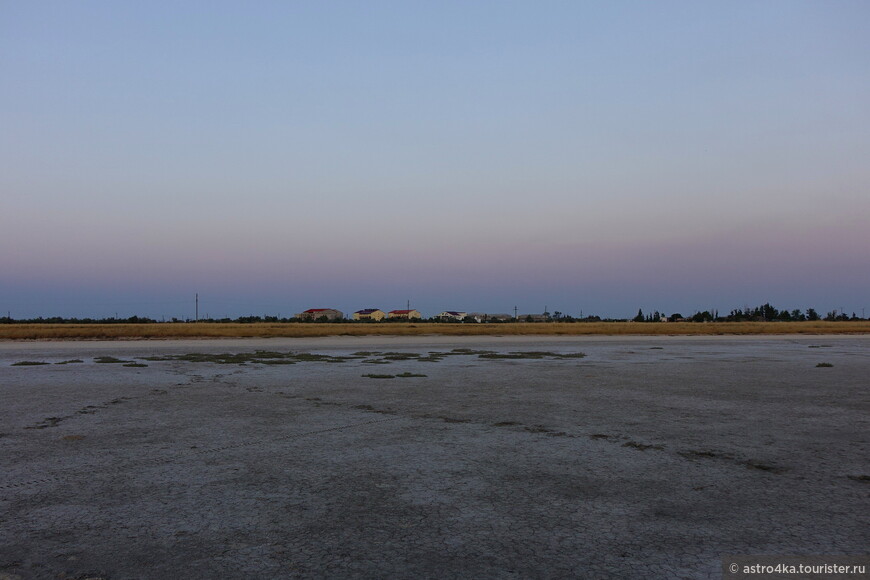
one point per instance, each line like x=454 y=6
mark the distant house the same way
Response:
x=484 y=317
x=406 y=314
x=317 y=313
x=452 y=315
x=369 y=314
x=499 y=318
x=532 y=318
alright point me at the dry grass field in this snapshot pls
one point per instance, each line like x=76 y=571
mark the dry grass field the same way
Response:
x=262 y=330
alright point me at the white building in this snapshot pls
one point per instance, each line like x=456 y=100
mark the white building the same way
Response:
x=452 y=315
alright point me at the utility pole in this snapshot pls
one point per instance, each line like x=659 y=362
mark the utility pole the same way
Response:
x=515 y=312
x=197 y=307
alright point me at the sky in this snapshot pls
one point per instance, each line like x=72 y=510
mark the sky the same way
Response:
x=593 y=157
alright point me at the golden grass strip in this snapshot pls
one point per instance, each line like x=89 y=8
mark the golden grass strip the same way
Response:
x=301 y=330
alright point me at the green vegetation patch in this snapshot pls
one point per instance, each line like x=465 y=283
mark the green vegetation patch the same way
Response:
x=438 y=356
x=110 y=360
x=468 y=351
x=69 y=362
x=373 y=376
x=409 y=375
x=265 y=357
x=533 y=354
x=824 y=365
x=134 y=364
x=400 y=355
x=375 y=357
x=269 y=354
x=29 y=363
x=311 y=357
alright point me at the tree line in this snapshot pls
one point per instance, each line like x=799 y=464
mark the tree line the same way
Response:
x=763 y=313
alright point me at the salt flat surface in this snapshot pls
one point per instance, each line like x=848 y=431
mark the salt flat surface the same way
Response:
x=649 y=458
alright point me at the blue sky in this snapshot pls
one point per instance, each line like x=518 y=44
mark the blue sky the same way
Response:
x=277 y=156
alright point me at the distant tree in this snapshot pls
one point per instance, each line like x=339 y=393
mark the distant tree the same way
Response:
x=812 y=314
x=768 y=312
x=639 y=317
x=702 y=317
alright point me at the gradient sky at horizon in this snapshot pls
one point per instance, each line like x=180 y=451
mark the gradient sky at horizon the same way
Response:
x=276 y=156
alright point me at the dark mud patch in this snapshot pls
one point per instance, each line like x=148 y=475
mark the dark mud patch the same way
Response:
x=747 y=463
x=642 y=446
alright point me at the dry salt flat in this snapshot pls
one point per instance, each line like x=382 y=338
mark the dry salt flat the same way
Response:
x=649 y=457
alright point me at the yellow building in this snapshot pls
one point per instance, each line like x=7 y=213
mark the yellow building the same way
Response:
x=369 y=314
x=406 y=314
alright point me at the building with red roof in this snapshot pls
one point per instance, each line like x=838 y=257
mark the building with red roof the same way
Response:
x=318 y=313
